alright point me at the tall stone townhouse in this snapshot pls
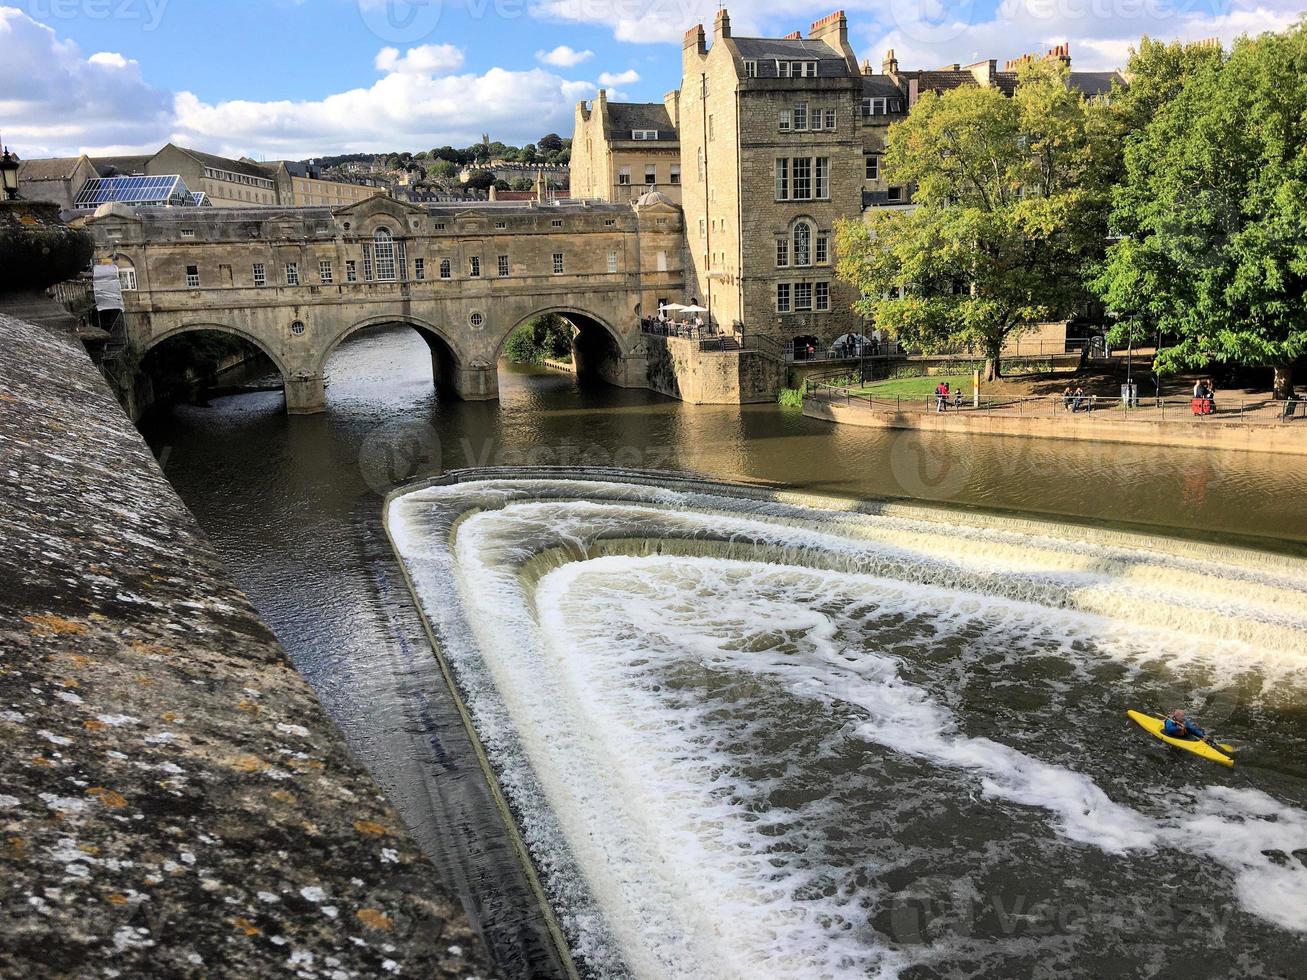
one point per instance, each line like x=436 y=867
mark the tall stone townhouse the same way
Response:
x=767 y=143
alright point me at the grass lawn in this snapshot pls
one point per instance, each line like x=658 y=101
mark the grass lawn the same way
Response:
x=916 y=387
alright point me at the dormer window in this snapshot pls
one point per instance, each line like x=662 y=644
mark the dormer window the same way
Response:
x=644 y=134
x=879 y=107
x=796 y=69
x=751 y=69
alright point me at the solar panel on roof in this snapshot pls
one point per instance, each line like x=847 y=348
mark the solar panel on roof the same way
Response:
x=161 y=191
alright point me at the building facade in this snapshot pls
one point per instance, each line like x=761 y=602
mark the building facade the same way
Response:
x=778 y=139
x=622 y=150
x=57 y=180
x=297 y=282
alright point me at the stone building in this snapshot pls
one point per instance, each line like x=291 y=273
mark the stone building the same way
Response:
x=56 y=180
x=303 y=185
x=777 y=139
x=623 y=150
x=297 y=282
x=225 y=182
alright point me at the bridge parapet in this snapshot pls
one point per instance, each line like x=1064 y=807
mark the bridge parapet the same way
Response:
x=297 y=282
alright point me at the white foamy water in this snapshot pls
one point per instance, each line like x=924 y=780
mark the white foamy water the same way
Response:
x=735 y=732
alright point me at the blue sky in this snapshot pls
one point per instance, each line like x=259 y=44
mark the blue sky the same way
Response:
x=303 y=77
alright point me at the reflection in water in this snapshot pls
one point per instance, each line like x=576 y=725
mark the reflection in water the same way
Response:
x=291 y=503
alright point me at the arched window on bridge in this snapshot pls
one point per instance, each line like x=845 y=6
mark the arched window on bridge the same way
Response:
x=383 y=248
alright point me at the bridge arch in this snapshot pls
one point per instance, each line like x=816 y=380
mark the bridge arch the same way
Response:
x=598 y=349
x=449 y=364
x=430 y=332
x=568 y=313
x=277 y=360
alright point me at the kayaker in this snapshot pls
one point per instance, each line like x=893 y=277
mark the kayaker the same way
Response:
x=1178 y=726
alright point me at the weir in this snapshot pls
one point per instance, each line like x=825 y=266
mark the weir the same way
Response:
x=743 y=727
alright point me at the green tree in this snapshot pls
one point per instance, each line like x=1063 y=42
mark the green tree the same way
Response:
x=1007 y=217
x=522 y=184
x=553 y=143
x=546 y=338
x=481 y=180
x=1212 y=215
x=444 y=170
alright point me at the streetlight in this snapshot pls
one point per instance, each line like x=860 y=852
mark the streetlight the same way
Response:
x=9 y=174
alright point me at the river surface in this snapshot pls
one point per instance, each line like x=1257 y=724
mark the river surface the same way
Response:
x=860 y=768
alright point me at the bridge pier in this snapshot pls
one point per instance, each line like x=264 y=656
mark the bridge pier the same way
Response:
x=478 y=382
x=306 y=394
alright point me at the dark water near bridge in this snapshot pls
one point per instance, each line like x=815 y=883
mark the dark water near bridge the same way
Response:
x=293 y=506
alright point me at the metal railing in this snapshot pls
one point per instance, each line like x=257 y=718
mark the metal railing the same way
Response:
x=1098 y=408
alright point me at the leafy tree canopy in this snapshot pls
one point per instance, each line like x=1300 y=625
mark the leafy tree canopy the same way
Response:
x=1008 y=215
x=1211 y=214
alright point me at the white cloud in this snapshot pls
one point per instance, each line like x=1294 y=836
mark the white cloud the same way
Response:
x=54 y=100
x=1100 y=32
x=930 y=33
x=609 y=80
x=111 y=59
x=399 y=110
x=564 y=57
x=426 y=59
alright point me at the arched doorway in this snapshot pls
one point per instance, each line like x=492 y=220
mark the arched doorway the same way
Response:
x=200 y=361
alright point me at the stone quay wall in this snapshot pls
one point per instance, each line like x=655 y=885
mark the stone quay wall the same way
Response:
x=173 y=799
x=1262 y=437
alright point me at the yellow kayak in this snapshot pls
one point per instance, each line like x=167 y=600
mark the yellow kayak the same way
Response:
x=1152 y=724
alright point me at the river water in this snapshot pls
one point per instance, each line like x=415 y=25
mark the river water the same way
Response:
x=775 y=739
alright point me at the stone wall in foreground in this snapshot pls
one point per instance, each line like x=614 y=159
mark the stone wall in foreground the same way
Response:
x=173 y=799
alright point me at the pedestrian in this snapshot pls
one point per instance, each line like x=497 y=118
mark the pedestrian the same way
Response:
x=941 y=397
x=1078 y=399
x=1068 y=398
x=957 y=399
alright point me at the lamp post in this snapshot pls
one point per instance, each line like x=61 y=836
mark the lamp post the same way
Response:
x=9 y=175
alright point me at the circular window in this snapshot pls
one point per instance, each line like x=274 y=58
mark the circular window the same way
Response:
x=477 y=319
x=297 y=327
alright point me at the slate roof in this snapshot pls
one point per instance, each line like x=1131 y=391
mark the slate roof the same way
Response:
x=54 y=168
x=1093 y=83
x=626 y=117
x=880 y=87
x=766 y=51
x=120 y=166
x=224 y=163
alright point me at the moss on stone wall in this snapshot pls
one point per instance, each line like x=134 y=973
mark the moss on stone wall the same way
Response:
x=36 y=248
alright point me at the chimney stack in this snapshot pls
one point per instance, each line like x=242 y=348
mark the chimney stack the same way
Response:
x=833 y=28
x=722 y=25
x=696 y=40
x=890 y=64
x=793 y=36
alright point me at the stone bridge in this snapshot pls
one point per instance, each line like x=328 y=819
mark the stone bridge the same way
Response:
x=298 y=282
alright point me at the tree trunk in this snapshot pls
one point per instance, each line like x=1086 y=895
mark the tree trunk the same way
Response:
x=1283 y=386
x=994 y=361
